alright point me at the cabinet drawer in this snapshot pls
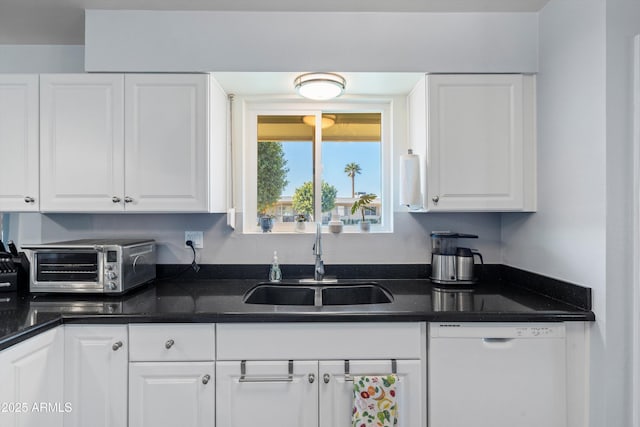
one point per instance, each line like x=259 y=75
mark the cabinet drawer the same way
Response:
x=306 y=341
x=171 y=342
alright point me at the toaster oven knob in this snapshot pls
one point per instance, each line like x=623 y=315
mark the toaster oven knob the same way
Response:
x=111 y=275
x=112 y=286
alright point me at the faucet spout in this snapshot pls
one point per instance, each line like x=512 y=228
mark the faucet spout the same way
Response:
x=318 y=272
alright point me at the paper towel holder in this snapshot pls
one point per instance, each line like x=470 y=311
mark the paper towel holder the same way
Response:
x=410 y=188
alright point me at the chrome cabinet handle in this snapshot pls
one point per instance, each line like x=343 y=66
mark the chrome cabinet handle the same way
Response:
x=312 y=378
x=116 y=345
x=205 y=379
x=435 y=199
x=29 y=199
x=169 y=344
x=115 y=199
x=326 y=378
x=128 y=199
x=244 y=378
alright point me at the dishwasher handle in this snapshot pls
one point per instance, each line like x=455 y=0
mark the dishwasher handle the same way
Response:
x=496 y=340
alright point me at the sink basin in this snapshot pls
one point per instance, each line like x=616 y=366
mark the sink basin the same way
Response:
x=281 y=295
x=294 y=294
x=369 y=293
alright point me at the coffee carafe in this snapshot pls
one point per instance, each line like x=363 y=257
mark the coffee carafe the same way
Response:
x=451 y=264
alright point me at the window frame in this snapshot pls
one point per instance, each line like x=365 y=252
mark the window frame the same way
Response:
x=252 y=108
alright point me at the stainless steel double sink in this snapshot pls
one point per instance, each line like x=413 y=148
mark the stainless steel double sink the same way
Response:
x=318 y=295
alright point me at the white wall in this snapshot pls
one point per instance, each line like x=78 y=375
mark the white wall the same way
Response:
x=41 y=59
x=581 y=232
x=317 y=41
x=623 y=23
x=409 y=244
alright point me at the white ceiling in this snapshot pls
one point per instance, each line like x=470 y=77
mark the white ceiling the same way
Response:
x=62 y=21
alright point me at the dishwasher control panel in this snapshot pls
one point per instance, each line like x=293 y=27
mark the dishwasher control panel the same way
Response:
x=497 y=330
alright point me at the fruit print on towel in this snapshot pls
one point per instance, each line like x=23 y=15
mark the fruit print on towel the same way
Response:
x=375 y=401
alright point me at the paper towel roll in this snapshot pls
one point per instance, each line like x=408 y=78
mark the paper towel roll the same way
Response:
x=410 y=192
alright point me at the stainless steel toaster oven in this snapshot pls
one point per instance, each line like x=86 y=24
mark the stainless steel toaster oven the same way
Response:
x=102 y=266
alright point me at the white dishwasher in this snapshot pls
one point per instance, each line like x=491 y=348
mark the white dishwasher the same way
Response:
x=497 y=375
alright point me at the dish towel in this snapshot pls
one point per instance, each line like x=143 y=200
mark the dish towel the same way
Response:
x=375 y=401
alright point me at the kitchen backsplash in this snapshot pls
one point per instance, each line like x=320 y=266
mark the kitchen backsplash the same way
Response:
x=408 y=244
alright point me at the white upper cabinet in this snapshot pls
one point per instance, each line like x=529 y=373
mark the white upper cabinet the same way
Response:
x=166 y=142
x=133 y=143
x=19 y=187
x=477 y=135
x=82 y=142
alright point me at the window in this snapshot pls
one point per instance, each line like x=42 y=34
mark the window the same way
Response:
x=310 y=165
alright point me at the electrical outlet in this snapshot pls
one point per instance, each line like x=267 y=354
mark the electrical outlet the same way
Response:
x=197 y=237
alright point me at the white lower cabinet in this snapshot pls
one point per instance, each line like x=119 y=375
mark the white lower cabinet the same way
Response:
x=95 y=384
x=168 y=394
x=31 y=375
x=284 y=384
x=317 y=393
x=267 y=395
x=336 y=393
x=172 y=375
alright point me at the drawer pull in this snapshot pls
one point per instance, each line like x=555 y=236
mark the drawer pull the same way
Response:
x=116 y=345
x=312 y=378
x=169 y=344
x=205 y=379
x=246 y=379
x=326 y=378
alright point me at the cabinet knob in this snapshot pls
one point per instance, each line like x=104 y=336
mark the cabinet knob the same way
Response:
x=128 y=199
x=115 y=199
x=29 y=199
x=326 y=378
x=205 y=379
x=435 y=199
x=116 y=345
x=169 y=344
x=312 y=378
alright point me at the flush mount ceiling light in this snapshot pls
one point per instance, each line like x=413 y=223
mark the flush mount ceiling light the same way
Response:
x=320 y=86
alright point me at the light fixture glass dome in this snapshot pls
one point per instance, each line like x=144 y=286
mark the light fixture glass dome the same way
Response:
x=320 y=86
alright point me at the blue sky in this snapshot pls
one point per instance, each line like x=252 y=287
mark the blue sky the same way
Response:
x=335 y=155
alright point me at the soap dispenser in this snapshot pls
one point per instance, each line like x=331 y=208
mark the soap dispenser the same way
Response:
x=275 y=275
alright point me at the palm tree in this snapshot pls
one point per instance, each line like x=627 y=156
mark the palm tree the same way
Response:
x=352 y=169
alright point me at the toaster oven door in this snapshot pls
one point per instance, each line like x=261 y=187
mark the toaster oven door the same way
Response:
x=73 y=270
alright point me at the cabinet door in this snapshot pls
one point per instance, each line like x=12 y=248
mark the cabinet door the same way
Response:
x=81 y=142
x=96 y=375
x=166 y=142
x=19 y=143
x=32 y=377
x=171 y=394
x=268 y=398
x=336 y=394
x=480 y=139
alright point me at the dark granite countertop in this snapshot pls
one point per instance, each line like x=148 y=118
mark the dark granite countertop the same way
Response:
x=23 y=315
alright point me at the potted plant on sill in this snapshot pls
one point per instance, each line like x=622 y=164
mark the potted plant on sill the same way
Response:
x=265 y=220
x=301 y=219
x=361 y=204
